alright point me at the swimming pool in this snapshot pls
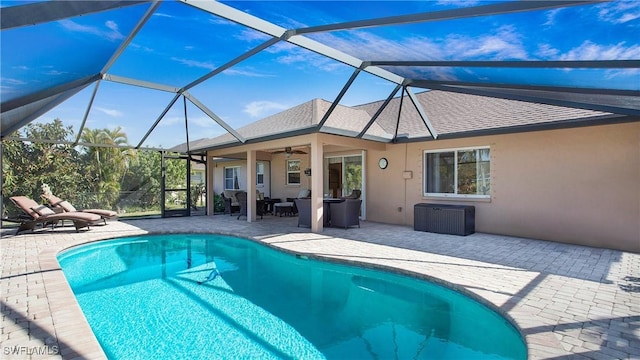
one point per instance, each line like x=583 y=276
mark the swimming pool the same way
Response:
x=211 y=296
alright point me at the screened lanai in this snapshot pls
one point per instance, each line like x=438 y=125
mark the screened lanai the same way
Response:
x=146 y=65
x=173 y=74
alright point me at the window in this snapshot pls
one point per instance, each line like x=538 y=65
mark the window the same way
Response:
x=293 y=172
x=231 y=178
x=462 y=172
x=259 y=174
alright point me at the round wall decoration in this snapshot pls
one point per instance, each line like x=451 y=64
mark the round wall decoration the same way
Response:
x=383 y=162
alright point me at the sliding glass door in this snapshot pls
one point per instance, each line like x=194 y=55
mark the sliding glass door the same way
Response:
x=343 y=175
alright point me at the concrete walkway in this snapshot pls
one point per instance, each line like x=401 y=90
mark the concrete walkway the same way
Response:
x=569 y=301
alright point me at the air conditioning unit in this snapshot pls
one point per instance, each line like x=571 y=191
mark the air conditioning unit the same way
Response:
x=444 y=219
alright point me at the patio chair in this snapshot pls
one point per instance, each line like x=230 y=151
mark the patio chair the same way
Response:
x=231 y=203
x=302 y=194
x=345 y=214
x=242 y=200
x=38 y=214
x=56 y=202
x=355 y=194
x=304 y=211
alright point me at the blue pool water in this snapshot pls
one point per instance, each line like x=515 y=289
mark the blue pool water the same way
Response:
x=202 y=296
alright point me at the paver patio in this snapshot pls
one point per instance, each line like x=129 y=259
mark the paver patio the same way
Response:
x=568 y=301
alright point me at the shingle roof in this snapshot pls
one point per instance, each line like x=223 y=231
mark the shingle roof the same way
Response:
x=449 y=113
x=452 y=113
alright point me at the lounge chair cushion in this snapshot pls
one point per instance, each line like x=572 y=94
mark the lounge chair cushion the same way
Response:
x=43 y=210
x=66 y=206
x=52 y=199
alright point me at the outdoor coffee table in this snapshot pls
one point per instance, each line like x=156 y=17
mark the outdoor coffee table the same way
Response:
x=285 y=208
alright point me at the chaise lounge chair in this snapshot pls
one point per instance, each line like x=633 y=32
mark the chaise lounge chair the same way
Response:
x=56 y=202
x=42 y=215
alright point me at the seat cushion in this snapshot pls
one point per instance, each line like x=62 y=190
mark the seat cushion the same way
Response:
x=231 y=194
x=304 y=193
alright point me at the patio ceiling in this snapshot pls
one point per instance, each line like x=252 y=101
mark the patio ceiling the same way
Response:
x=169 y=72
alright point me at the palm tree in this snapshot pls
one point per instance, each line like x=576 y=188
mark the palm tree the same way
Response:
x=110 y=162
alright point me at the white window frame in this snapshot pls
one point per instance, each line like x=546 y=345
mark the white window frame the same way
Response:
x=260 y=171
x=455 y=181
x=294 y=172
x=236 y=173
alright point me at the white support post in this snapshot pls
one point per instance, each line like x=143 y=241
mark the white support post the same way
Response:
x=210 y=186
x=251 y=186
x=317 y=211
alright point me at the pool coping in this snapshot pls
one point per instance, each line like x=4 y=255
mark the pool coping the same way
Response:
x=72 y=337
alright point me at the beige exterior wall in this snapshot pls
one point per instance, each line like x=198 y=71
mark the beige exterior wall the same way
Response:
x=579 y=185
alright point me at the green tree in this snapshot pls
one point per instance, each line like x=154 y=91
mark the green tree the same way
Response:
x=109 y=161
x=141 y=183
x=54 y=161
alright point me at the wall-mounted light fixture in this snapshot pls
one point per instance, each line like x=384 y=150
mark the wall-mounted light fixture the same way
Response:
x=307 y=171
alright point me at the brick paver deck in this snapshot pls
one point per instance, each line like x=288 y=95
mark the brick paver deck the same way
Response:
x=568 y=301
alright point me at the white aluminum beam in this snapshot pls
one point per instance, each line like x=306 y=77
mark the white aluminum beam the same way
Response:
x=338 y=98
x=140 y=83
x=338 y=55
x=560 y=64
x=379 y=111
x=131 y=35
x=213 y=116
x=237 y=16
x=86 y=113
x=422 y=113
x=268 y=28
x=486 y=10
x=37 y=13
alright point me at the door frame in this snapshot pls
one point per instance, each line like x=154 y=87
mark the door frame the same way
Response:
x=186 y=211
x=363 y=159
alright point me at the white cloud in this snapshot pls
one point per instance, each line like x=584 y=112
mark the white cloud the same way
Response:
x=551 y=17
x=195 y=63
x=10 y=81
x=291 y=55
x=245 y=72
x=263 y=108
x=624 y=73
x=162 y=15
x=112 y=25
x=170 y=120
x=111 y=32
x=459 y=3
x=54 y=72
x=546 y=51
x=619 y=12
x=251 y=35
x=591 y=51
x=202 y=121
x=110 y=112
x=502 y=43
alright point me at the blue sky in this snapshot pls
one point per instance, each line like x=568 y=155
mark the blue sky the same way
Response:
x=180 y=43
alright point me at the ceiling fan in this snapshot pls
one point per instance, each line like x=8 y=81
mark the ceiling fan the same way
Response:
x=288 y=151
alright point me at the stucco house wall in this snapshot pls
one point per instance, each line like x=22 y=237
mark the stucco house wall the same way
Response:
x=578 y=185
x=218 y=176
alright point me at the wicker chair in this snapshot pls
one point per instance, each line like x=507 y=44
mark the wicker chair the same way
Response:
x=346 y=213
x=355 y=194
x=231 y=204
x=242 y=200
x=304 y=211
